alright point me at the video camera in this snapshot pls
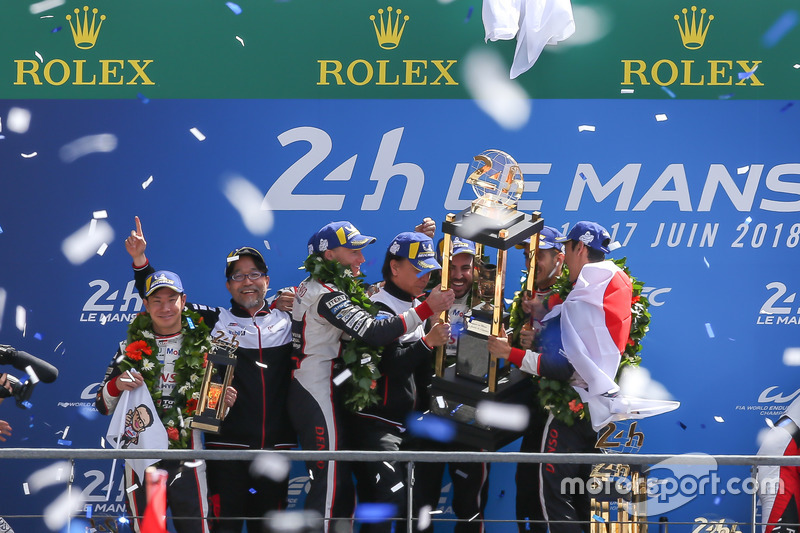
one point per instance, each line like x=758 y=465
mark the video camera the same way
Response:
x=37 y=370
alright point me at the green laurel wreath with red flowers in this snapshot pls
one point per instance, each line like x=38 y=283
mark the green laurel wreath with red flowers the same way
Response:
x=360 y=358
x=142 y=355
x=558 y=397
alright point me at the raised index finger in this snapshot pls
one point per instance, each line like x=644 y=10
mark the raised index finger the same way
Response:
x=138 y=226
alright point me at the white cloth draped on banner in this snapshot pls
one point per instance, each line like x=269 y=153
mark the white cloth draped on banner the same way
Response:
x=137 y=426
x=535 y=23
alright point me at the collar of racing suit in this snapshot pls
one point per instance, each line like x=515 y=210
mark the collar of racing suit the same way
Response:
x=240 y=311
x=397 y=292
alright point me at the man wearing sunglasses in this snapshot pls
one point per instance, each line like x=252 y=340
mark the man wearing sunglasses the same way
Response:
x=259 y=418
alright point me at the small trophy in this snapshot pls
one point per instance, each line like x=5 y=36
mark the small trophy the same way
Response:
x=211 y=408
x=492 y=221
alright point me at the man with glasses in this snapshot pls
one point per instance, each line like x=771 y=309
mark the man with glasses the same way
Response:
x=259 y=419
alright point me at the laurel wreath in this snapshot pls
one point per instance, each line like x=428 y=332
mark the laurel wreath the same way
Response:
x=558 y=397
x=142 y=355
x=360 y=358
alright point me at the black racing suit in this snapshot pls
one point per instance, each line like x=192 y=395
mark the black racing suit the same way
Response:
x=322 y=315
x=381 y=427
x=258 y=420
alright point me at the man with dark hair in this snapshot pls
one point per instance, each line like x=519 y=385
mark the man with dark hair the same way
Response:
x=595 y=322
x=325 y=313
x=260 y=419
x=407 y=268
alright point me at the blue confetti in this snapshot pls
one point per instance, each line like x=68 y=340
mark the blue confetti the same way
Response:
x=122 y=520
x=748 y=220
x=37 y=336
x=457 y=330
x=190 y=322
x=784 y=108
x=502 y=493
x=372 y=513
x=27 y=405
x=234 y=7
x=702 y=426
x=717 y=500
x=56 y=29
x=598 y=518
x=709 y=331
x=666 y=90
x=779 y=29
x=63 y=442
x=1 y=228
x=432 y=427
x=745 y=75
x=143 y=98
x=726 y=96
x=89 y=511
x=682 y=425
x=88 y=412
x=253 y=491
x=469 y=15
x=583 y=176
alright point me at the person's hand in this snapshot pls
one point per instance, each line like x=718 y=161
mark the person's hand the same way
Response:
x=526 y=299
x=440 y=300
x=439 y=335
x=498 y=346
x=284 y=302
x=428 y=227
x=136 y=245
x=124 y=381
x=5 y=385
x=526 y=337
x=5 y=429
x=230 y=397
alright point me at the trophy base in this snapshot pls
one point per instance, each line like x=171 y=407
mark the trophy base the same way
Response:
x=486 y=231
x=456 y=398
x=207 y=423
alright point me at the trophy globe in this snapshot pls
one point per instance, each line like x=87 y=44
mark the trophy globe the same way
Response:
x=497 y=182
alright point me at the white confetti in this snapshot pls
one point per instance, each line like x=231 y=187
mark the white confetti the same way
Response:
x=147 y=182
x=791 y=357
x=585 y=127
x=748 y=220
x=100 y=214
x=271 y=465
x=19 y=120
x=389 y=466
x=339 y=379
x=796 y=65
x=262 y=365
x=440 y=402
x=266 y=245
x=487 y=81
x=21 y=318
x=63 y=508
x=66 y=430
x=45 y=5
x=503 y=415
x=47 y=476
x=102 y=442
x=706 y=262
x=132 y=488
x=661 y=117
x=397 y=487
x=28 y=156
x=89 y=144
x=709 y=331
x=613 y=246
x=26 y=489
x=719 y=419
x=424 y=518
x=102 y=249
x=38 y=56
x=240 y=40
x=251 y=204
x=743 y=170
x=474 y=517
x=461 y=473
x=193 y=464
x=233 y=259
x=198 y=134
x=3 y=294
x=626 y=91
x=82 y=245
x=366 y=359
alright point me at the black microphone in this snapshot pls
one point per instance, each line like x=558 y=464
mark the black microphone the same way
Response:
x=46 y=372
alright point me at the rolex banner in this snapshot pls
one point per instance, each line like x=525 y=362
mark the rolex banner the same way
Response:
x=673 y=124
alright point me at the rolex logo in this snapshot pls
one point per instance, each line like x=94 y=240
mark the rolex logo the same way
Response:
x=85 y=35
x=693 y=34
x=390 y=32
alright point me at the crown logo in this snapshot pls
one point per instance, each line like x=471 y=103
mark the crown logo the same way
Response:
x=693 y=35
x=85 y=35
x=389 y=34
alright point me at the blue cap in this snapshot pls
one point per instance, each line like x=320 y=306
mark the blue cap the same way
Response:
x=160 y=279
x=547 y=239
x=460 y=246
x=338 y=234
x=591 y=234
x=418 y=249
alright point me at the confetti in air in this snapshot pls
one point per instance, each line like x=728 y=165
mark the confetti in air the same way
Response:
x=434 y=428
x=661 y=117
x=342 y=377
x=82 y=245
x=585 y=127
x=748 y=220
x=102 y=249
x=63 y=508
x=143 y=98
x=100 y=214
x=669 y=93
x=706 y=262
x=266 y=244
x=146 y=183
x=90 y=144
x=38 y=56
x=743 y=170
x=719 y=419
x=745 y=75
x=249 y=201
x=503 y=415
x=785 y=23
x=241 y=41
x=791 y=357
x=21 y=319
x=3 y=294
x=18 y=120
x=796 y=65
x=682 y=425
x=198 y=134
x=626 y=91
x=47 y=476
x=234 y=7
x=271 y=465
x=56 y=29
x=372 y=513
x=424 y=518
x=45 y=5
x=469 y=14
x=28 y=156
x=709 y=331
x=787 y=106
x=487 y=82
x=613 y=246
